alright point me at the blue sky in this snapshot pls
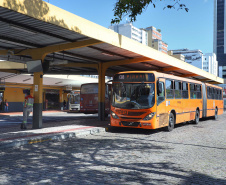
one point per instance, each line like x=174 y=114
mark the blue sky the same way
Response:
x=192 y=30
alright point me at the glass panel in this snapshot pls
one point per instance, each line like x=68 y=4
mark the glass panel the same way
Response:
x=199 y=92
x=185 y=90
x=161 y=96
x=169 y=89
x=133 y=96
x=208 y=93
x=89 y=89
x=177 y=90
x=193 y=93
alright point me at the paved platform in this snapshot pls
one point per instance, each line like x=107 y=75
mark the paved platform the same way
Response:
x=13 y=136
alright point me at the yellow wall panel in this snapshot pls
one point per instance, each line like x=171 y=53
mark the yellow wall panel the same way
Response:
x=14 y=95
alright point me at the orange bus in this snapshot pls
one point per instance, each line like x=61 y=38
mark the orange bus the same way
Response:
x=89 y=98
x=151 y=100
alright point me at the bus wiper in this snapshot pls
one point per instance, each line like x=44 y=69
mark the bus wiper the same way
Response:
x=136 y=104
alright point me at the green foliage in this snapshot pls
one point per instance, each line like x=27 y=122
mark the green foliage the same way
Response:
x=132 y=8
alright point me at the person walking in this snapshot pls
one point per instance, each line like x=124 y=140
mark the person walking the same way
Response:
x=6 y=106
x=64 y=104
x=27 y=109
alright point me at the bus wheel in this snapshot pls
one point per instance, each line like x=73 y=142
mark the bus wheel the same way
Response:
x=216 y=114
x=171 y=124
x=197 y=117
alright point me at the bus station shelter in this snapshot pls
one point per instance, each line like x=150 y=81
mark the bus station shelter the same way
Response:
x=58 y=42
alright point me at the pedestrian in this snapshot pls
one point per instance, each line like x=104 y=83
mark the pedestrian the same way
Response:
x=46 y=102
x=6 y=106
x=27 y=109
x=64 y=104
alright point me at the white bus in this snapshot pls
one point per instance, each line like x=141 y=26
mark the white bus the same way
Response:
x=74 y=100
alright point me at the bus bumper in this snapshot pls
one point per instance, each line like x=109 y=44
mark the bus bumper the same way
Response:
x=133 y=123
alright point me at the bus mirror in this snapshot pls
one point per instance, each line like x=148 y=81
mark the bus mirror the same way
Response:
x=159 y=86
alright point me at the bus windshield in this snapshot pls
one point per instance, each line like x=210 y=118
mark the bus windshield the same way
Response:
x=75 y=99
x=133 y=95
x=89 y=89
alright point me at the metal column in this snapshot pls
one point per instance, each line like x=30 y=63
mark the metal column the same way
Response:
x=101 y=92
x=37 y=108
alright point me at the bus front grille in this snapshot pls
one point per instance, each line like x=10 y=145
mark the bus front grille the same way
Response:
x=134 y=124
x=129 y=118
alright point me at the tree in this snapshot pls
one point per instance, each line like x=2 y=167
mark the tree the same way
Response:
x=132 y=8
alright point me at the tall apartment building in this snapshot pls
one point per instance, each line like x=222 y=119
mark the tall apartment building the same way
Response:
x=128 y=30
x=148 y=36
x=210 y=63
x=196 y=58
x=219 y=39
x=155 y=39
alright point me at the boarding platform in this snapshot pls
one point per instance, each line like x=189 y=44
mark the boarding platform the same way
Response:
x=12 y=136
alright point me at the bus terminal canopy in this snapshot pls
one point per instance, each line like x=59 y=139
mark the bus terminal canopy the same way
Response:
x=68 y=44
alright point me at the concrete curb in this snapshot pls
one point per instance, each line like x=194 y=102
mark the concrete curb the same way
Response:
x=51 y=137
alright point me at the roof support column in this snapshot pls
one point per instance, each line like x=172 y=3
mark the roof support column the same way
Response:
x=37 y=108
x=61 y=94
x=101 y=92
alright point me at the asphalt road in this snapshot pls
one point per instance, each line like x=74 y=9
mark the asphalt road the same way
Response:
x=190 y=154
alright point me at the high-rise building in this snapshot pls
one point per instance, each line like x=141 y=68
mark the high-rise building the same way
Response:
x=155 y=39
x=210 y=63
x=220 y=34
x=196 y=58
x=149 y=36
x=128 y=30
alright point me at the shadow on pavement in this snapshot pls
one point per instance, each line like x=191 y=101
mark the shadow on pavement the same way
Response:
x=94 y=161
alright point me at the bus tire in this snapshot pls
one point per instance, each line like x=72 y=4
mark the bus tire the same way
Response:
x=216 y=114
x=109 y=129
x=171 y=124
x=196 y=117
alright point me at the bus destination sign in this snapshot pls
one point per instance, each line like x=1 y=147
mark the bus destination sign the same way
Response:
x=134 y=77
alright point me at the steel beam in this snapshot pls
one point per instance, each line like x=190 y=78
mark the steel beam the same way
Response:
x=170 y=69
x=127 y=61
x=12 y=65
x=79 y=65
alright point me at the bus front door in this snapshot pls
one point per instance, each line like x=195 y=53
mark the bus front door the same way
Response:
x=162 y=115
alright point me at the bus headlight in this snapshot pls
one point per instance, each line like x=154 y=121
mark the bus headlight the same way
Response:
x=114 y=115
x=149 y=116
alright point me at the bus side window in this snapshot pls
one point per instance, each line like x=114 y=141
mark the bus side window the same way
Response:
x=199 y=90
x=219 y=94
x=185 y=90
x=192 y=91
x=177 y=90
x=208 y=93
x=161 y=96
x=219 y=91
x=169 y=89
x=216 y=94
x=212 y=93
